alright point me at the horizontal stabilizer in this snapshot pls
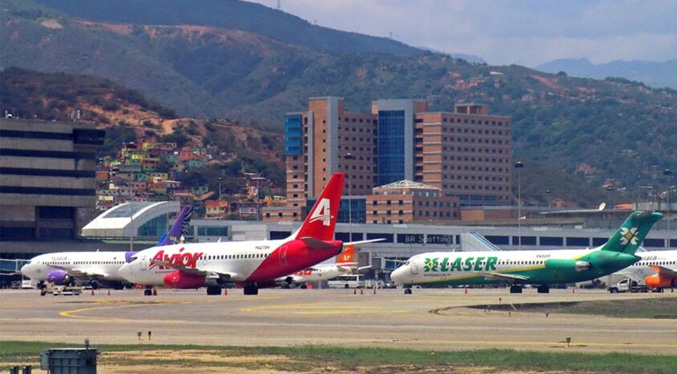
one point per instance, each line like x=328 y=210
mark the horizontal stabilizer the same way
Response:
x=313 y=243
x=364 y=241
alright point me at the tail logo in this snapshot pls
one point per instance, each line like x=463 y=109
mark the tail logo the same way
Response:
x=322 y=212
x=628 y=236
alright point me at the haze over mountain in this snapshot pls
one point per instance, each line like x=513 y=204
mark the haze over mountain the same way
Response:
x=654 y=74
x=214 y=59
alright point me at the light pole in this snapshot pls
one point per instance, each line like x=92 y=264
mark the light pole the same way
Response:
x=668 y=173
x=519 y=165
x=220 y=191
x=349 y=156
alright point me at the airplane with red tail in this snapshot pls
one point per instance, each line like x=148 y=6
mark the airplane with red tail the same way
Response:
x=253 y=264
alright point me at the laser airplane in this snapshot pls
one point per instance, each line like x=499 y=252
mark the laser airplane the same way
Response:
x=98 y=268
x=529 y=267
x=252 y=264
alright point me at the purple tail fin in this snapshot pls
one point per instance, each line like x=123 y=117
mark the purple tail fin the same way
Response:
x=179 y=229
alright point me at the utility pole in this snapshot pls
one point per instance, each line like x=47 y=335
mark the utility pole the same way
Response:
x=519 y=165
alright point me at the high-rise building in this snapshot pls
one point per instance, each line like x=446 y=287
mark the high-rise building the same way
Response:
x=47 y=179
x=466 y=153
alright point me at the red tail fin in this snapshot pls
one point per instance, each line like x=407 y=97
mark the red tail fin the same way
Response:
x=347 y=257
x=321 y=220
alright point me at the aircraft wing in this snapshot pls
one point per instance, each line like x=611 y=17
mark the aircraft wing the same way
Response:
x=504 y=277
x=85 y=273
x=189 y=270
x=664 y=270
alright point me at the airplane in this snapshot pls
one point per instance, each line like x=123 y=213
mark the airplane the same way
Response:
x=100 y=268
x=529 y=267
x=345 y=264
x=657 y=269
x=252 y=264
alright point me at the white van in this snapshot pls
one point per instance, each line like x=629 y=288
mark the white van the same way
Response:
x=347 y=281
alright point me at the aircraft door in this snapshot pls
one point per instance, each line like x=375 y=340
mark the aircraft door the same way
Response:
x=143 y=265
x=414 y=267
x=283 y=256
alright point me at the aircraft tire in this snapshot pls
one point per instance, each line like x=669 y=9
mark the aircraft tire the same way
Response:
x=515 y=289
x=543 y=289
x=407 y=291
x=213 y=290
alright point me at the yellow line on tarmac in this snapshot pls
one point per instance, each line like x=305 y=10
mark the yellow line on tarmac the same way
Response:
x=321 y=309
x=117 y=305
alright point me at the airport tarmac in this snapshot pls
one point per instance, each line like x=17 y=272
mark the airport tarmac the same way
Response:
x=429 y=319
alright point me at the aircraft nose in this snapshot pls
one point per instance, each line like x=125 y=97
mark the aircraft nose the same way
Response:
x=398 y=275
x=28 y=270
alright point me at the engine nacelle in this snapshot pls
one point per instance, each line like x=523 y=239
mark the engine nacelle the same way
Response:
x=180 y=279
x=660 y=281
x=567 y=265
x=59 y=277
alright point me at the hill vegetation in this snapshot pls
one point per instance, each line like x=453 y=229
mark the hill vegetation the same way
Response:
x=251 y=63
x=127 y=116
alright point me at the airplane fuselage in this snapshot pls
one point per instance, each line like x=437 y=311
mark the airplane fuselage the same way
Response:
x=518 y=267
x=253 y=261
x=99 y=265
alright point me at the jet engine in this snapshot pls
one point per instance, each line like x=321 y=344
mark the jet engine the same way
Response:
x=660 y=281
x=180 y=279
x=59 y=277
x=577 y=265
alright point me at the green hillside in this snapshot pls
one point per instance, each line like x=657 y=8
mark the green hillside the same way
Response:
x=253 y=64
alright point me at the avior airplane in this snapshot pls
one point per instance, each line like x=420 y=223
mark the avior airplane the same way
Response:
x=658 y=269
x=253 y=264
x=529 y=267
x=99 y=268
x=345 y=264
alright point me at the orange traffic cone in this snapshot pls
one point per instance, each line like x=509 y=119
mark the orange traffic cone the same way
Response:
x=108 y=292
x=466 y=291
x=374 y=290
x=355 y=291
x=361 y=291
x=225 y=292
x=92 y=292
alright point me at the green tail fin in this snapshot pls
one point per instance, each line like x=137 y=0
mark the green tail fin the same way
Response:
x=632 y=232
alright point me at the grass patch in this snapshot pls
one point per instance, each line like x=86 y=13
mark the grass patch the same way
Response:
x=663 y=308
x=374 y=360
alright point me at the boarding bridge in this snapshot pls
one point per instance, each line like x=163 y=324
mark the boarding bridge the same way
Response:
x=475 y=242
x=11 y=266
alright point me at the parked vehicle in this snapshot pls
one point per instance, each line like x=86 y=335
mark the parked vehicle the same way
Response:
x=628 y=285
x=347 y=281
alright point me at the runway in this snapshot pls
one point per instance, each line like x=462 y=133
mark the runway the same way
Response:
x=331 y=317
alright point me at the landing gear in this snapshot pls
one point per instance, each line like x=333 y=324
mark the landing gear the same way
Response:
x=515 y=289
x=213 y=290
x=148 y=291
x=407 y=291
x=251 y=289
x=543 y=289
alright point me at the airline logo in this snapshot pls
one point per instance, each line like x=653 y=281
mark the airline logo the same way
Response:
x=322 y=212
x=460 y=264
x=186 y=259
x=628 y=235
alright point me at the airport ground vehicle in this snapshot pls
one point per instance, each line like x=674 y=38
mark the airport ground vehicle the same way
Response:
x=66 y=291
x=348 y=281
x=628 y=285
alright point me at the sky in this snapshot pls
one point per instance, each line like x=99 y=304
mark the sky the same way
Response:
x=503 y=32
